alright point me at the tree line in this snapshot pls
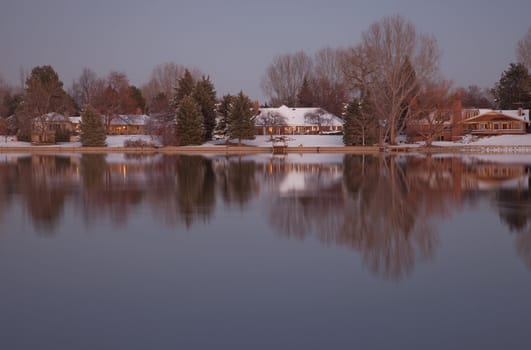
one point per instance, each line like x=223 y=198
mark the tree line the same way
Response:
x=389 y=79
x=182 y=103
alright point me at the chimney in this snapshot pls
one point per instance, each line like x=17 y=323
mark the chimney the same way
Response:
x=520 y=113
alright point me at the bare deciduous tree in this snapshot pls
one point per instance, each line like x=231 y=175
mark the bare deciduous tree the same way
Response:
x=114 y=98
x=271 y=120
x=86 y=87
x=396 y=61
x=318 y=117
x=475 y=97
x=433 y=110
x=328 y=83
x=284 y=78
x=5 y=90
x=163 y=79
x=523 y=49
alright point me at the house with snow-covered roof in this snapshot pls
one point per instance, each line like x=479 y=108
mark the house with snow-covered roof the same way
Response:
x=128 y=124
x=286 y=120
x=495 y=122
x=50 y=128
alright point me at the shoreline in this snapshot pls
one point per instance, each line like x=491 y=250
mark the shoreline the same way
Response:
x=489 y=149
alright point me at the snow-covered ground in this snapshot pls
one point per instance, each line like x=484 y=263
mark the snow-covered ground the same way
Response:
x=298 y=141
x=112 y=141
x=292 y=141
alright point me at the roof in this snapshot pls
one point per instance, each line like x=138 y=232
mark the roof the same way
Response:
x=297 y=116
x=53 y=117
x=130 y=119
x=75 y=119
x=122 y=119
x=515 y=114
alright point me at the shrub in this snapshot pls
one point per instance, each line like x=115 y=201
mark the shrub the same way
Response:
x=138 y=143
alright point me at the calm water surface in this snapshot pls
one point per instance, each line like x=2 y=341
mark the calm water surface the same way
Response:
x=312 y=252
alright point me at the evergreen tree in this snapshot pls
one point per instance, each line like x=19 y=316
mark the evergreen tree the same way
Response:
x=305 y=96
x=241 y=118
x=136 y=96
x=185 y=87
x=205 y=96
x=92 y=128
x=189 y=122
x=223 y=111
x=44 y=93
x=159 y=104
x=360 y=126
x=513 y=90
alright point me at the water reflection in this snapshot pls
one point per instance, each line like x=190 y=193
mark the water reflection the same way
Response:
x=385 y=208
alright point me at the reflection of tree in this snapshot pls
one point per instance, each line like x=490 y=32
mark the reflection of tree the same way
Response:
x=93 y=169
x=237 y=181
x=385 y=220
x=382 y=208
x=515 y=210
x=44 y=183
x=195 y=188
x=7 y=179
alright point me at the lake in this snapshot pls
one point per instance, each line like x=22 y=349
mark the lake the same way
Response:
x=265 y=252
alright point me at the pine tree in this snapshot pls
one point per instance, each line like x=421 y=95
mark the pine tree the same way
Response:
x=44 y=93
x=185 y=87
x=514 y=88
x=241 y=118
x=305 y=96
x=189 y=122
x=223 y=110
x=360 y=127
x=92 y=128
x=205 y=96
x=136 y=96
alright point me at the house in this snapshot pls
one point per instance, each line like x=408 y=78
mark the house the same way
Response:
x=50 y=128
x=441 y=125
x=130 y=124
x=296 y=121
x=76 y=124
x=495 y=122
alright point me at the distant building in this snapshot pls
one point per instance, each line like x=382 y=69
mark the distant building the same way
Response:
x=50 y=128
x=495 y=122
x=130 y=124
x=445 y=130
x=296 y=121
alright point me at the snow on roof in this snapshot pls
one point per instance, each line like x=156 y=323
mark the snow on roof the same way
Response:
x=521 y=115
x=122 y=119
x=130 y=119
x=297 y=116
x=54 y=117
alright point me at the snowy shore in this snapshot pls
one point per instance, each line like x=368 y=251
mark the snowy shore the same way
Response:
x=302 y=143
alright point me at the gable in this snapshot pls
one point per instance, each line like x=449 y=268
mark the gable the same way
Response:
x=494 y=116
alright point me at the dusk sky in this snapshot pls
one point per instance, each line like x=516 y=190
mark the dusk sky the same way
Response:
x=234 y=41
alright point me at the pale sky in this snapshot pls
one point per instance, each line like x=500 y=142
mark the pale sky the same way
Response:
x=234 y=41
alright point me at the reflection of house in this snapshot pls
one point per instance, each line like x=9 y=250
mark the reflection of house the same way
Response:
x=50 y=128
x=494 y=122
x=494 y=175
x=296 y=121
x=131 y=124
